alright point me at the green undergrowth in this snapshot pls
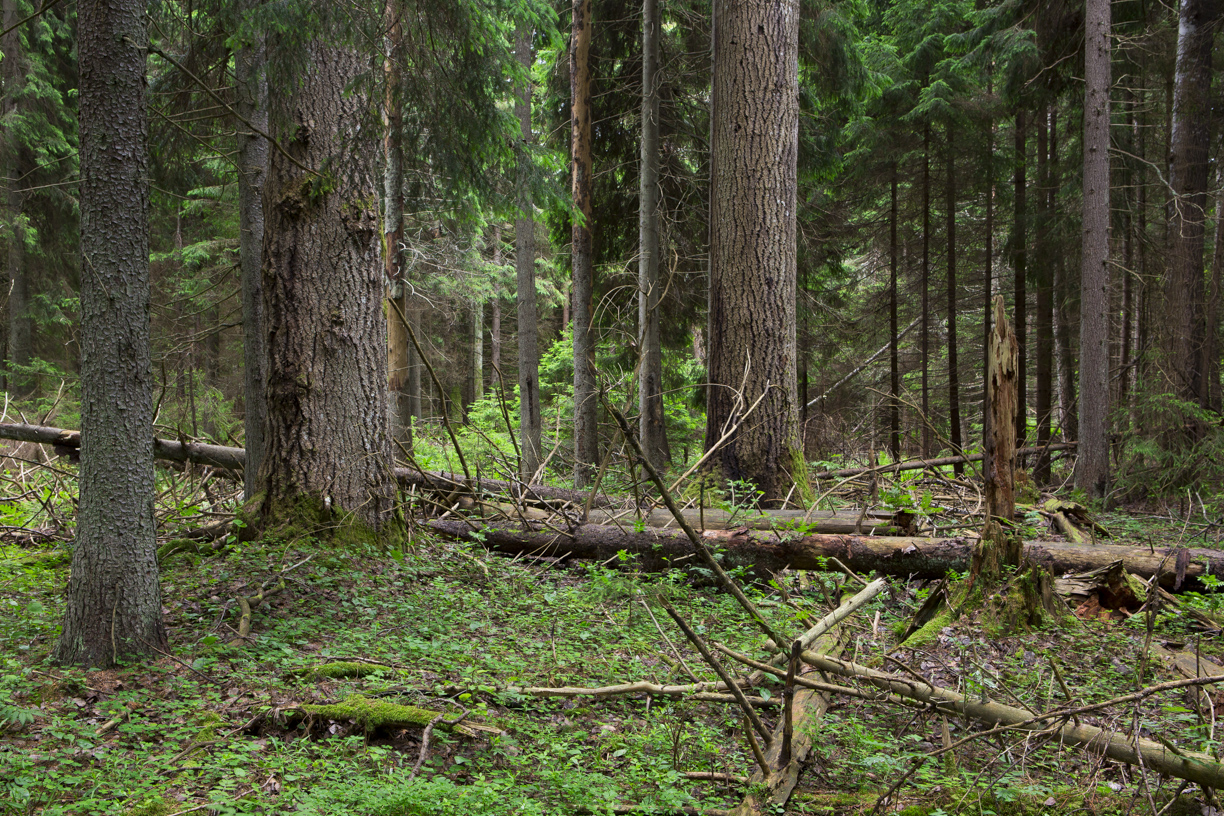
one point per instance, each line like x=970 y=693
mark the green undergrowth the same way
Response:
x=292 y=720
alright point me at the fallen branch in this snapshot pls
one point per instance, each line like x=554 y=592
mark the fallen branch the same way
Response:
x=919 y=464
x=658 y=549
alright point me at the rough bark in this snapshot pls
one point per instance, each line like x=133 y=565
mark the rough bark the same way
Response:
x=1020 y=268
x=754 y=152
x=586 y=399
x=20 y=324
x=652 y=423
x=1092 y=463
x=251 y=102
x=1184 y=324
x=114 y=600
x=328 y=444
x=954 y=416
x=658 y=549
x=1001 y=387
x=524 y=263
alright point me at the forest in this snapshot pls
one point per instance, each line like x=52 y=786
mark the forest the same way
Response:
x=516 y=407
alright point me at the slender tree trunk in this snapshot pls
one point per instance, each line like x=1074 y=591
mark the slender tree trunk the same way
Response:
x=328 y=446
x=754 y=154
x=988 y=271
x=401 y=356
x=894 y=361
x=1019 y=266
x=653 y=421
x=524 y=262
x=1211 y=346
x=1092 y=462
x=20 y=324
x=114 y=599
x=1128 y=260
x=1045 y=295
x=1185 y=327
x=495 y=339
x=926 y=292
x=477 y=384
x=954 y=417
x=586 y=405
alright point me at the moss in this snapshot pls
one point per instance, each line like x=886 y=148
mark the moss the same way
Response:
x=799 y=472
x=373 y=715
x=930 y=631
x=209 y=722
x=342 y=669
x=153 y=806
x=304 y=515
x=47 y=559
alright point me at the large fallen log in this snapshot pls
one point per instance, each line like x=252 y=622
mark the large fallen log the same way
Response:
x=658 y=549
x=919 y=464
x=230 y=461
x=880 y=522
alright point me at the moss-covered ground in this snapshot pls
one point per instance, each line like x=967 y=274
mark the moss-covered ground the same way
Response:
x=219 y=728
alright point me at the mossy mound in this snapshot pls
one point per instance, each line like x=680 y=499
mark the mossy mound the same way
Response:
x=373 y=715
x=342 y=669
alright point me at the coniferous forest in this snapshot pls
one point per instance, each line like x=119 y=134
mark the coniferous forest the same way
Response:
x=513 y=407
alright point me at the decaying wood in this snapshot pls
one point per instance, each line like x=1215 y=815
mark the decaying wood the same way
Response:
x=658 y=549
x=1189 y=765
x=1000 y=443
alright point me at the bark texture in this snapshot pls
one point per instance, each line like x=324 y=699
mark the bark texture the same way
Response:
x=114 y=599
x=1000 y=456
x=252 y=105
x=652 y=423
x=524 y=262
x=586 y=405
x=323 y=291
x=1185 y=320
x=1092 y=464
x=752 y=339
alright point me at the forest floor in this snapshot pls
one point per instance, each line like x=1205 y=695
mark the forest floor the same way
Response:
x=218 y=728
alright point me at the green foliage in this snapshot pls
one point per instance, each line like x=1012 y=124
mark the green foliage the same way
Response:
x=1178 y=446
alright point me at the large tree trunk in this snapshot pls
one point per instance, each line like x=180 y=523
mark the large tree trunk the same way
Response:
x=328 y=446
x=251 y=102
x=954 y=417
x=20 y=324
x=1185 y=327
x=1019 y=266
x=524 y=262
x=658 y=549
x=754 y=153
x=586 y=405
x=1044 y=322
x=1092 y=463
x=652 y=423
x=114 y=600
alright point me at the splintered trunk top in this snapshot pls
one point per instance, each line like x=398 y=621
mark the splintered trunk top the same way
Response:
x=755 y=141
x=327 y=429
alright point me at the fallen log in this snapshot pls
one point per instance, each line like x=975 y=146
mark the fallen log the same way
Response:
x=230 y=462
x=875 y=522
x=659 y=549
x=919 y=464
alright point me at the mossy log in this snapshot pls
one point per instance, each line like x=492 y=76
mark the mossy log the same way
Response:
x=658 y=549
x=375 y=715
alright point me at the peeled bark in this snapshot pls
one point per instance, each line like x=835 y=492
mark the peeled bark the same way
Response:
x=752 y=316
x=652 y=423
x=524 y=262
x=114 y=599
x=586 y=398
x=252 y=105
x=1092 y=463
x=1000 y=455
x=658 y=549
x=328 y=444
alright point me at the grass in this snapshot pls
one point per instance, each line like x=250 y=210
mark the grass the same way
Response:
x=222 y=729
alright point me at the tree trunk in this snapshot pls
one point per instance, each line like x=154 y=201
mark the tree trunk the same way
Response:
x=586 y=405
x=524 y=262
x=1211 y=345
x=894 y=362
x=754 y=153
x=495 y=339
x=401 y=356
x=1127 y=352
x=1185 y=327
x=1019 y=266
x=925 y=341
x=328 y=446
x=20 y=324
x=1003 y=358
x=114 y=600
x=477 y=381
x=653 y=422
x=988 y=271
x=1045 y=293
x=1092 y=464
x=658 y=549
x=954 y=417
